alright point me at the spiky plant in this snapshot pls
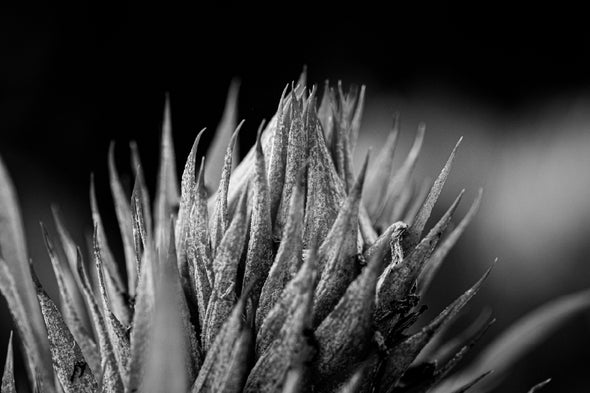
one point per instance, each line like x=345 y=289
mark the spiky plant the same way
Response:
x=294 y=276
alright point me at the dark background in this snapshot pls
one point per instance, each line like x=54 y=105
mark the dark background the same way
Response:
x=75 y=76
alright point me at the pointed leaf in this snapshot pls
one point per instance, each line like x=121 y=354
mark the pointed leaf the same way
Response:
x=225 y=266
x=415 y=230
x=399 y=278
x=515 y=342
x=188 y=189
x=538 y=387
x=199 y=249
x=291 y=347
x=173 y=355
x=111 y=376
x=67 y=266
x=399 y=181
x=223 y=133
x=141 y=184
x=114 y=282
x=71 y=368
x=14 y=254
x=278 y=155
x=297 y=152
x=116 y=331
x=441 y=252
x=124 y=218
x=357 y=118
x=81 y=334
x=229 y=345
x=142 y=322
x=167 y=198
x=8 y=385
x=220 y=219
x=344 y=335
x=472 y=383
x=337 y=254
x=403 y=353
x=288 y=257
x=325 y=191
x=260 y=246
x=299 y=289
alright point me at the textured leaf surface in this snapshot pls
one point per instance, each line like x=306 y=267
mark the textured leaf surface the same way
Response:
x=230 y=345
x=69 y=364
x=225 y=266
x=288 y=257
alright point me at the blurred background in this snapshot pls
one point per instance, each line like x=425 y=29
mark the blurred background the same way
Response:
x=515 y=82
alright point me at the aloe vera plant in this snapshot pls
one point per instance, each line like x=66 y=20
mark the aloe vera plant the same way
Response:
x=294 y=275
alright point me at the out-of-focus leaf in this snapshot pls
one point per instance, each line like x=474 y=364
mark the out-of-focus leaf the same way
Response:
x=443 y=249
x=293 y=381
x=14 y=255
x=353 y=384
x=325 y=112
x=220 y=220
x=355 y=126
x=418 y=198
x=142 y=321
x=381 y=169
x=69 y=364
x=167 y=198
x=399 y=181
x=173 y=357
x=8 y=385
x=538 y=387
x=225 y=266
x=244 y=172
x=343 y=108
x=217 y=148
x=472 y=383
x=515 y=342
x=440 y=372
